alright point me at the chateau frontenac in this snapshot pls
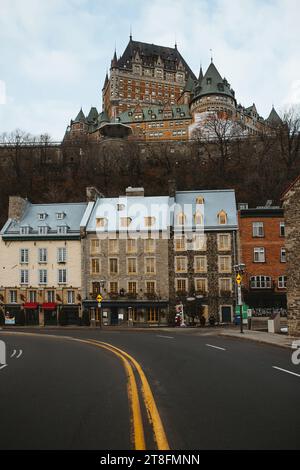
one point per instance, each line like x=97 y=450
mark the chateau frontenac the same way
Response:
x=152 y=94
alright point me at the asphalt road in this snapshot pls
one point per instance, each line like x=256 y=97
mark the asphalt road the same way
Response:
x=65 y=395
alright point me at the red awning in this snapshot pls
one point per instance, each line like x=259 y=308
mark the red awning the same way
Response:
x=31 y=305
x=49 y=306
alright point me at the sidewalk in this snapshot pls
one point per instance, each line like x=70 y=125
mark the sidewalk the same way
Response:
x=274 y=339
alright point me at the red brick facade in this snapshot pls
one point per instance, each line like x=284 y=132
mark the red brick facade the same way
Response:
x=262 y=250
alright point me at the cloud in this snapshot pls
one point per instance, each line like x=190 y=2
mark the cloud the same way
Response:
x=52 y=65
x=57 y=51
x=2 y=92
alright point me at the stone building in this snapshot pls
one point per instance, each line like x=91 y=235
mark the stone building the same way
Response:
x=125 y=259
x=291 y=205
x=203 y=253
x=262 y=245
x=151 y=89
x=40 y=262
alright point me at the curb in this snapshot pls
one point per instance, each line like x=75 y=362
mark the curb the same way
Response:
x=256 y=340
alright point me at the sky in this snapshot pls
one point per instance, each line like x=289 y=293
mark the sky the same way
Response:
x=54 y=53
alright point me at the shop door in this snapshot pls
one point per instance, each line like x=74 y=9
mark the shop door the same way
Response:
x=114 y=320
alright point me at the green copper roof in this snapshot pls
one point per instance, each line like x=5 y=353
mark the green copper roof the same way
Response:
x=93 y=114
x=103 y=117
x=155 y=113
x=274 y=117
x=80 y=117
x=212 y=83
x=190 y=84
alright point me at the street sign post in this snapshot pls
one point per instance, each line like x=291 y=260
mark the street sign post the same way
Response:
x=240 y=301
x=99 y=300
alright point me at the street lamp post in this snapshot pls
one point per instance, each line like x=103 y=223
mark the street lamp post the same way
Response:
x=239 y=270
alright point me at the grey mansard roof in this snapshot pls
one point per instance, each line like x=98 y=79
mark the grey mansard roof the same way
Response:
x=73 y=214
x=215 y=201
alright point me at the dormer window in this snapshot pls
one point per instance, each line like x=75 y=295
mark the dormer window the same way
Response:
x=199 y=200
x=43 y=230
x=24 y=230
x=181 y=218
x=62 y=229
x=101 y=222
x=149 y=221
x=198 y=218
x=222 y=217
x=208 y=81
x=42 y=215
x=120 y=207
x=125 y=221
x=60 y=215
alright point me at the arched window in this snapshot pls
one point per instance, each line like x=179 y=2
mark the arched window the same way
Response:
x=198 y=218
x=222 y=216
x=199 y=200
x=181 y=218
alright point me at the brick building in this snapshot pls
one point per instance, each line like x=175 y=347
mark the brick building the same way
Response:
x=262 y=249
x=291 y=205
x=152 y=90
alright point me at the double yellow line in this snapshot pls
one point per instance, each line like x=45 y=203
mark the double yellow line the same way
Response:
x=133 y=396
x=130 y=364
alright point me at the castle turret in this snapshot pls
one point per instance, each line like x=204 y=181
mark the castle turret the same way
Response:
x=213 y=93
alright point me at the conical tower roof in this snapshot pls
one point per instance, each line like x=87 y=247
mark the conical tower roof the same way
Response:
x=200 y=78
x=114 y=62
x=274 y=117
x=80 y=116
x=213 y=84
x=93 y=114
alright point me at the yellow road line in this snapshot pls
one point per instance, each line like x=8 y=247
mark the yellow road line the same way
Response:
x=152 y=410
x=153 y=414
x=132 y=390
x=133 y=396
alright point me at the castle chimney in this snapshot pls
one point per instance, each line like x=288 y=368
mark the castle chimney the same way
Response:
x=135 y=191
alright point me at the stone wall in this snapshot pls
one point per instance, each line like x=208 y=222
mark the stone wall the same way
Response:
x=291 y=206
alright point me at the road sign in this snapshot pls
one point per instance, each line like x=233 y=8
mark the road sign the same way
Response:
x=99 y=298
x=238 y=279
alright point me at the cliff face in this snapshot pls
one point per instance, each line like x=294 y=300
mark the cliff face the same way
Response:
x=52 y=173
